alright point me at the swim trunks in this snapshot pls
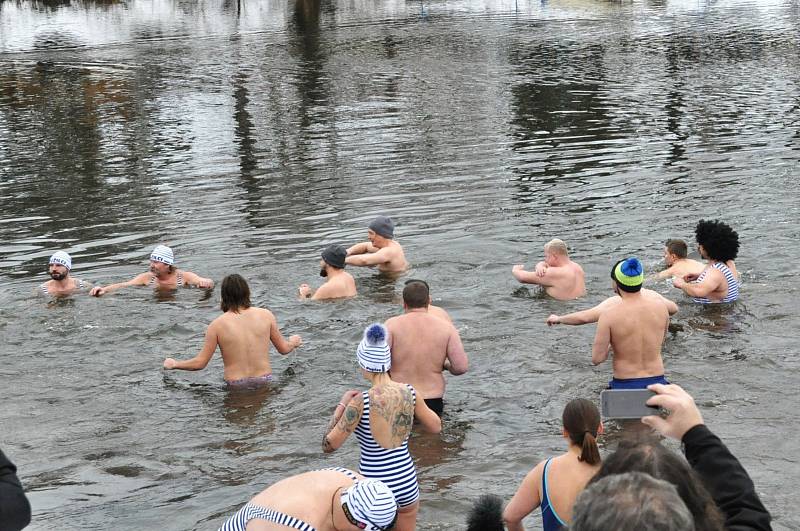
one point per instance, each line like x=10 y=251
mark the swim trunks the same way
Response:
x=733 y=285
x=636 y=383
x=436 y=404
x=393 y=466
x=550 y=519
x=250 y=382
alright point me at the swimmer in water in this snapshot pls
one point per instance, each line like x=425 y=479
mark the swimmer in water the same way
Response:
x=338 y=284
x=243 y=335
x=562 y=278
x=162 y=275
x=381 y=250
x=62 y=283
x=678 y=265
x=719 y=281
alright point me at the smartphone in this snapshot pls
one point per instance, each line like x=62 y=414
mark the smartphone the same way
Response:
x=626 y=403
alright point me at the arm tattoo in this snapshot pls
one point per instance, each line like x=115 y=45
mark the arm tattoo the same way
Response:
x=326 y=445
x=349 y=419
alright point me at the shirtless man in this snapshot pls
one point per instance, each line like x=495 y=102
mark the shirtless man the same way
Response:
x=433 y=310
x=339 y=282
x=243 y=335
x=718 y=281
x=162 y=275
x=381 y=250
x=423 y=346
x=62 y=284
x=634 y=328
x=562 y=278
x=677 y=264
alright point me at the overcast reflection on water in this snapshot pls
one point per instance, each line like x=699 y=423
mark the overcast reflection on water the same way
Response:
x=250 y=134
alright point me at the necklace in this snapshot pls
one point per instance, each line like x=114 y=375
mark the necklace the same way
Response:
x=333 y=521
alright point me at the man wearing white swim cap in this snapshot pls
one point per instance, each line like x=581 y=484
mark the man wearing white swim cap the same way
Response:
x=62 y=284
x=381 y=250
x=163 y=275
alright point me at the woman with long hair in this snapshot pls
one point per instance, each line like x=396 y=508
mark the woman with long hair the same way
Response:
x=381 y=418
x=555 y=483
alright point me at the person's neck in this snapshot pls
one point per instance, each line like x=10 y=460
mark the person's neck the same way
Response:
x=417 y=310
x=166 y=276
x=333 y=273
x=64 y=283
x=378 y=378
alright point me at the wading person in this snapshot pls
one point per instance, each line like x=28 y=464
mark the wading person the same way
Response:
x=554 y=484
x=423 y=345
x=62 y=283
x=381 y=419
x=562 y=278
x=162 y=275
x=381 y=250
x=718 y=243
x=334 y=499
x=243 y=334
x=634 y=328
x=678 y=265
x=338 y=284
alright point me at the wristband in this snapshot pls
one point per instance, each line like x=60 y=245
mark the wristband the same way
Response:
x=340 y=404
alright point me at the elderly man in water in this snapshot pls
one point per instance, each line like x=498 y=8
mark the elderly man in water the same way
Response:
x=633 y=323
x=243 y=334
x=381 y=250
x=562 y=278
x=62 y=283
x=338 y=284
x=162 y=275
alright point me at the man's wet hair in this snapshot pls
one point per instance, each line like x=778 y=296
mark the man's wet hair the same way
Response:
x=677 y=247
x=416 y=294
x=719 y=240
x=235 y=293
x=633 y=501
x=486 y=514
x=646 y=454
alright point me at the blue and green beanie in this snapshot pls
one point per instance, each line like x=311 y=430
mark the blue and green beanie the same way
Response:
x=628 y=274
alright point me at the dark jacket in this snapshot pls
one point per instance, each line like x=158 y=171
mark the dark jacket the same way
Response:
x=726 y=480
x=15 y=511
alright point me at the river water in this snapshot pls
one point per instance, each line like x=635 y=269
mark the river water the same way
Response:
x=248 y=135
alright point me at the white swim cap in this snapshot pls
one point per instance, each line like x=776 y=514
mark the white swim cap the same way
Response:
x=372 y=503
x=61 y=258
x=163 y=254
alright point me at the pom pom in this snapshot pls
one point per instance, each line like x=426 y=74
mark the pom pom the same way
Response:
x=375 y=334
x=631 y=267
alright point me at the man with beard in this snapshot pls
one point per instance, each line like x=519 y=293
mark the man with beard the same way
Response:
x=163 y=275
x=63 y=284
x=339 y=282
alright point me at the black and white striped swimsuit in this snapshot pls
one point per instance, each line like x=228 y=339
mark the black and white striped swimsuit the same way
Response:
x=251 y=511
x=81 y=285
x=178 y=281
x=392 y=466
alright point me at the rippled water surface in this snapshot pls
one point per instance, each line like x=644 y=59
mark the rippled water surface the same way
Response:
x=250 y=134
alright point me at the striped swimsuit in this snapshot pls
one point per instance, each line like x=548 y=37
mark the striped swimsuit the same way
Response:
x=81 y=285
x=178 y=280
x=733 y=285
x=238 y=522
x=394 y=466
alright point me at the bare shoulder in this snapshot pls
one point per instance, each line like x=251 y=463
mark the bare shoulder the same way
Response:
x=142 y=278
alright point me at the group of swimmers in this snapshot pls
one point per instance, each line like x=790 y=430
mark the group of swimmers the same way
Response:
x=404 y=359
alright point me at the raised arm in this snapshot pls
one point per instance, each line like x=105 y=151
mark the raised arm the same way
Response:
x=201 y=360
x=281 y=345
x=525 y=500
x=602 y=342
x=361 y=248
x=344 y=421
x=592 y=315
x=532 y=277
x=456 y=361
x=369 y=259
x=192 y=279
x=138 y=280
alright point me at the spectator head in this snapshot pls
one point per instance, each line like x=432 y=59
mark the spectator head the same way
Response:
x=486 y=514
x=633 y=501
x=582 y=425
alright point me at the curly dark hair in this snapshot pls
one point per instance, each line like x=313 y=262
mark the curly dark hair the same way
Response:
x=719 y=240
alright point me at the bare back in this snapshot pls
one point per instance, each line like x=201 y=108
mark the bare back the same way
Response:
x=566 y=478
x=396 y=258
x=391 y=414
x=244 y=340
x=637 y=328
x=567 y=281
x=419 y=343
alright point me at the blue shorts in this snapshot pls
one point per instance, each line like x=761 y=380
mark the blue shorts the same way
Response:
x=636 y=383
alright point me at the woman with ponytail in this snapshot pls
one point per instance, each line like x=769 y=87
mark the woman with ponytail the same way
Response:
x=382 y=418
x=555 y=483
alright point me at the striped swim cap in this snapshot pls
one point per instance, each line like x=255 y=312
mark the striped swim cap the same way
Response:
x=61 y=258
x=628 y=274
x=371 y=503
x=373 y=352
x=163 y=254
